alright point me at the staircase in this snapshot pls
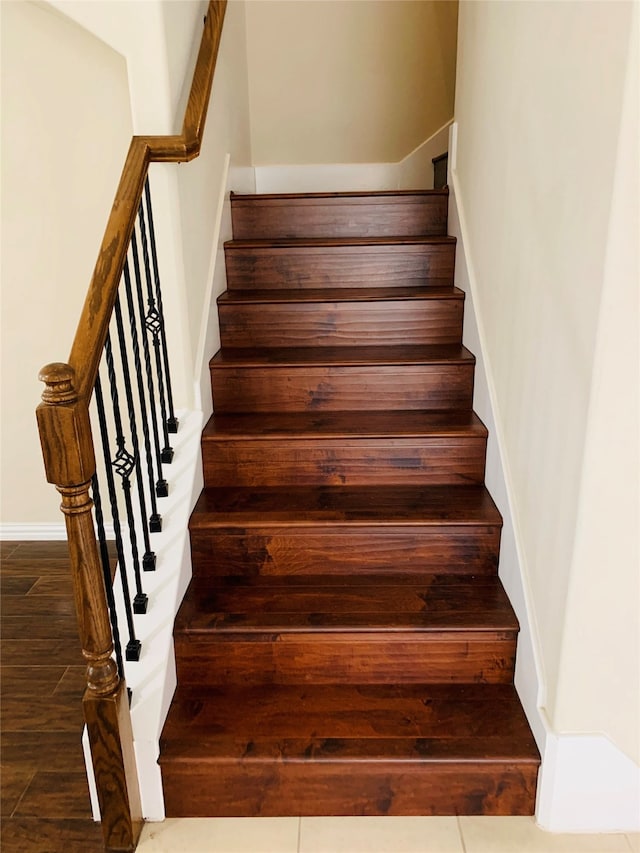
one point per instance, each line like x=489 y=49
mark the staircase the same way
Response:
x=345 y=646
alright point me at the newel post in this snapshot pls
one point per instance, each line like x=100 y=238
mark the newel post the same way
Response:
x=67 y=447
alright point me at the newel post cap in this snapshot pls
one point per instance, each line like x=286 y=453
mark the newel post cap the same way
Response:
x=60 y=381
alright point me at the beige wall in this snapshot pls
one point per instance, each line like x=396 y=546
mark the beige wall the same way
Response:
x=539 y=107
x=599 y=680
x=348 y=81
x=201 y=182
x=65 y=137
x=66 y=126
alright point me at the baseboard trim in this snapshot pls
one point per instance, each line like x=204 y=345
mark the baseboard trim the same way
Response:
x=28 y=532
x=587 y=785
x=39 y=532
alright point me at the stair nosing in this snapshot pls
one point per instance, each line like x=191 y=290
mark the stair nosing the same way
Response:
x=337 y=242
x=338 y=295
x=358 y=356
x=215 y=430
x=202 y=519
x=345 y=195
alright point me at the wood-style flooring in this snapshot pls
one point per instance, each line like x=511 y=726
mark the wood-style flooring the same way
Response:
x=44 y=797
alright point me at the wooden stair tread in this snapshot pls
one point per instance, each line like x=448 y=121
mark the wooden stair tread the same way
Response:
x=338 y=242
x=311 y=425
x=334 y=294
x=322 y=605
x=385 y=196
x=345 y=645
x=311 y=723
x=372 y=506
x=343 y=356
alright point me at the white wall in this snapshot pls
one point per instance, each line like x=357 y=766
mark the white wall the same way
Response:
x=62 y=131
x=348 y=82
x=545 y=173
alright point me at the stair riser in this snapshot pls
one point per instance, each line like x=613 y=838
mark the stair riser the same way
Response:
x=333 y=389
x=433 y=321
x=446 y=657
x=278 y=788
x=336 y=551
x=268 y=219
x=340 y=462
x=350 y=266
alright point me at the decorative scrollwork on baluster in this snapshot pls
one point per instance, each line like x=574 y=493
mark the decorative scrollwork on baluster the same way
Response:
x=155 y=326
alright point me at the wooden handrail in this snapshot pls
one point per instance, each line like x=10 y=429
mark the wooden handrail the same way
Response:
x=91 y=333
x=69 y=457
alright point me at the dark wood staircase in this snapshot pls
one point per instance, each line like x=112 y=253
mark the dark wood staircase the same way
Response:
x=345 y=646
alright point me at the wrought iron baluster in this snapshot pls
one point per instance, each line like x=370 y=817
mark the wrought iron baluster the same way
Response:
x=172 y=422
x=149 y=559
x=106 y=571
x=154 y=322
x=162 y=487
x=133 y=645
x=124 y=463
x=155 y=519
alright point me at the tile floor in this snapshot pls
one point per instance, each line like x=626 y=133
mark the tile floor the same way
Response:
x=372 y=835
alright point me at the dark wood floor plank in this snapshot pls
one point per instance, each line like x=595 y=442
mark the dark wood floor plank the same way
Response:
x=43 y=779
x=56 y=795
x=43 y=550
x=32 y=628
x=21 y=651
x=21 y=681
x=73 y=682
x=16 y=584
x=55 y=751
x=36 y=607
x=7 y=547
x=14 y=781
x=31 y=566
x=45 y=713
x=54 y=584
x=47 y=835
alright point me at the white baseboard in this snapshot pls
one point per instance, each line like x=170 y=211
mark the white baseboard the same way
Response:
x=41 y=532
x=35 y=532
x=587 y=785
x=415 y=171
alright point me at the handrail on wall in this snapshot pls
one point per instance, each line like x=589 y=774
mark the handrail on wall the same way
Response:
x=67 y=446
